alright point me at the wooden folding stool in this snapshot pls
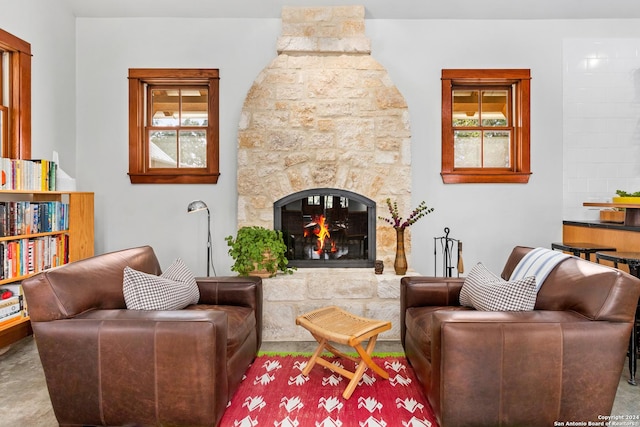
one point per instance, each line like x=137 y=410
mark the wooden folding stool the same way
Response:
x=339 y=326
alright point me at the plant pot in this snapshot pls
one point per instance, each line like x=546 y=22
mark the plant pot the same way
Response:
x=263 y=272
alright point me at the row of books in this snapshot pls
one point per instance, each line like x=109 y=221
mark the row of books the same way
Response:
x=22 y=217
x=31 y=175
x=28 y=256
x=14 y=307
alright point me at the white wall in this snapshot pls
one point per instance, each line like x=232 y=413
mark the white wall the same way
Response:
x=50 y=28
x=127 y=214
x=489 y=218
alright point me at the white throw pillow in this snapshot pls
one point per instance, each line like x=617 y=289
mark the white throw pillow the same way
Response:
x=174 y=289
x=486 y=291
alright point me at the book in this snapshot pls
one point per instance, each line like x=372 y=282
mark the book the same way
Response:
x=23 y=174
x=16 y=289
x=10 y=307
x=16 y=317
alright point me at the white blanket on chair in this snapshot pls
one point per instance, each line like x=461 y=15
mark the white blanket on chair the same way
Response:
x=538 y=262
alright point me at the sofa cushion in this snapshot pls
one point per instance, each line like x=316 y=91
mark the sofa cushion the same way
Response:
x=174 y=289
x=485 y=291
x=479 y=273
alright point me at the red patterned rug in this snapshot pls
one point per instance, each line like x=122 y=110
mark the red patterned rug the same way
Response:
x=275 y=393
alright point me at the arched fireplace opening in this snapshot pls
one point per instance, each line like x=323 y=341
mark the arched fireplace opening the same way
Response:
x=327 y=227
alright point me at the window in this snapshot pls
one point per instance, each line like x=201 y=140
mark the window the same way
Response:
x=15 y=96
x=485 y=126
x=173 y=126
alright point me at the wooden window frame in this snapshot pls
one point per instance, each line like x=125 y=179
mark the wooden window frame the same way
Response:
x=520 y=169
x=139 y=171
x=17 y=141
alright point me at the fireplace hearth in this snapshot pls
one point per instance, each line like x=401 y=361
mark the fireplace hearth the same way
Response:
x=327 y=227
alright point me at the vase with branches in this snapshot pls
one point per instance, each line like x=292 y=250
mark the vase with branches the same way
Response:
x=400 y=224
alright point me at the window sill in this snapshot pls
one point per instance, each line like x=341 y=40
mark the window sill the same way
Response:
x=173 y=178
x=485 y=177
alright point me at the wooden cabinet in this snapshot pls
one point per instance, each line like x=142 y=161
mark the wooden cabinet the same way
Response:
x=79 y=234
x=622 y=237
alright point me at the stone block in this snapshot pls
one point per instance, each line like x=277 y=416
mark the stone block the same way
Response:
x=290 y=44
x=350 y=45
x=386 y=158
x=276 y=321
x=388 y=285
x=387 y=310
x=352 y=28
x=295 y=159
x=338 y=286
x=284 y=288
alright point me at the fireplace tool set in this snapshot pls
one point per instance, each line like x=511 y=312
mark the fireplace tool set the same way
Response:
x=446 y=245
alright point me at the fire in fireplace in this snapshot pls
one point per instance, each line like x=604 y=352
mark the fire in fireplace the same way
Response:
x=327 y=227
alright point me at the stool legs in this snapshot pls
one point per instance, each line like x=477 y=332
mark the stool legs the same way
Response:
x=364 y=362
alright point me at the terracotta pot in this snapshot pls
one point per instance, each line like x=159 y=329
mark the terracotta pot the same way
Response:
x=263 y=272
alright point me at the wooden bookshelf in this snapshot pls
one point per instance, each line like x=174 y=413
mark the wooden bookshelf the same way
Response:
x=80 y=246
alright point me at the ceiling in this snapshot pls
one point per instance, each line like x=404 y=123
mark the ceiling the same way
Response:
x=375 y=9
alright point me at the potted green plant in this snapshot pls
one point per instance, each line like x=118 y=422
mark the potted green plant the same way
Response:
x=258 y=251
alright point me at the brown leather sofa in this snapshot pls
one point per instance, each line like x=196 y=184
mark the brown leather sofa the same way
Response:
x=106 y=365
x=561 y=362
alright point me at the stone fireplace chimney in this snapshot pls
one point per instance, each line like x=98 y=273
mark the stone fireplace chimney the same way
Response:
x=324 y=114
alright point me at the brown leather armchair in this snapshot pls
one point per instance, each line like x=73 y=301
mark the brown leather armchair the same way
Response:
x=560 y=362
x=106 y=365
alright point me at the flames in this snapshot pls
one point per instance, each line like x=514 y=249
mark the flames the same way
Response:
x=320 y=228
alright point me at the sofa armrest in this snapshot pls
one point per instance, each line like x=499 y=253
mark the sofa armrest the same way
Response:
x=153 y=355
x=540 y=352
x=419 y=291
x=243 y=291
x=240 y=291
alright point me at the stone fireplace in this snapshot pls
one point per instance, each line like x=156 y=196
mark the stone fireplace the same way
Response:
x=324 y=114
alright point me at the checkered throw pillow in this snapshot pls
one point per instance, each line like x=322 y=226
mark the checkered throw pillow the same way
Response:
x=485 y=291
x=174 y=289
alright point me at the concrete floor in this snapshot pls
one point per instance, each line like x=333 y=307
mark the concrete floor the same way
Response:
x=24 y=400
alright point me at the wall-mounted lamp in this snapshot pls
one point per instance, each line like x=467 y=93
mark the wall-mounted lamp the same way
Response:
x=199 y=205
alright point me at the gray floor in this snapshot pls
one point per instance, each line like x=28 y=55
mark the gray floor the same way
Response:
x=24 y=400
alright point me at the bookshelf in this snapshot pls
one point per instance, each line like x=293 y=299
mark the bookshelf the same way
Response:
x=78 y=235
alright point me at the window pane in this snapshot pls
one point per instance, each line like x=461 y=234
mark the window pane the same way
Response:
x=494 y=108
x=465 y=108
x=467 y=149
x=165 y=107
x=194 y=107
x=162 y=149
x=193 y=149
x=496 y=149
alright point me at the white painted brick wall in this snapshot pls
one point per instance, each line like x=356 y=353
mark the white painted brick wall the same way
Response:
x=601 y=83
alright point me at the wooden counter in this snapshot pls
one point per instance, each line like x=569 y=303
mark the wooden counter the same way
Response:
x=624 y=238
